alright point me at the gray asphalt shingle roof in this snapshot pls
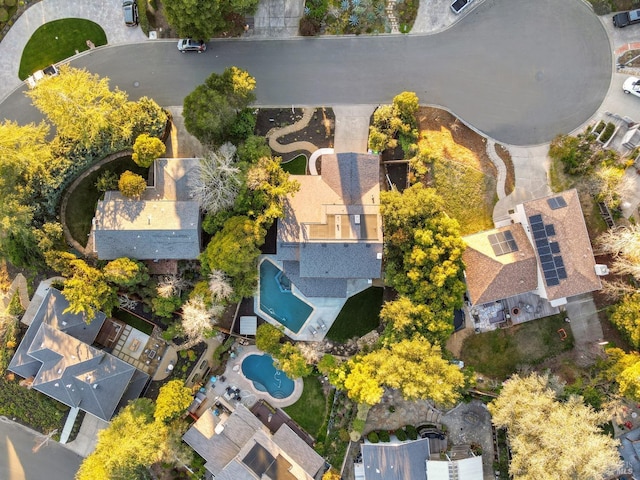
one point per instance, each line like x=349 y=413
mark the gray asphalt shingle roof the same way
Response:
x=164 y=230
x=332 y=226
x=315 y=287
x=405 y=461
x=354 y=260
x=68 y=369
x=162 y=225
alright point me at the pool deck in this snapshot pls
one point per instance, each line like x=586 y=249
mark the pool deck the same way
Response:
x=250 y=395
x=325 y=309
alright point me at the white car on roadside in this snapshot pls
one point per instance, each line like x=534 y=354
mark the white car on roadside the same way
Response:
x=632 y=85
x=33 y=80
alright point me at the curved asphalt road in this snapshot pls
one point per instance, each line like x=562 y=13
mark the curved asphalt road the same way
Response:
x=520 y=71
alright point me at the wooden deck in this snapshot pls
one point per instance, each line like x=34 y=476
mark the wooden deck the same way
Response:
x=528 y=306
x=110 y=332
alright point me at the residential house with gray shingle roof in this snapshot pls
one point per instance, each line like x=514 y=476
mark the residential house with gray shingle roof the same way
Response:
x=413 y=460
x=332 y=229
x=56 y=354
x=545 y=250
x=238 y=447
x=164 y=224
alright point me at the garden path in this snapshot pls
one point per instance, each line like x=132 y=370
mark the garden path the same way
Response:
x=275 y=133
x=500 y=166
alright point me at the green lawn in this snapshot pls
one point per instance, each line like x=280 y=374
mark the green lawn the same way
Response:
x=81 y=206
x=57 y=40
x=359 y=315
x=499 y=353
x=311 y=408
x=133 y=320
x=296 y=166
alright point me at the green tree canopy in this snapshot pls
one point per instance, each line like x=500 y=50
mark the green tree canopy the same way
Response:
x=551 y=439
x=270 y=185
x=415 y=367
x=406 y=318
x=268 y=338
x=132 y=440
x=292 y=363
x=395 y=123
x=126 y=272
x=211 y=110
x=235 y=250
x=173 y=400
x=146 y=149
x=423 y=250
x=88 y=292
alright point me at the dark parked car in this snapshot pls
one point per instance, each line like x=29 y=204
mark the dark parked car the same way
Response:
x=189 y=45
x=130 y=11
x=623 y=19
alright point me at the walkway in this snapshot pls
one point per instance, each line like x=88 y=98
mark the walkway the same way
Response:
x=585 y=327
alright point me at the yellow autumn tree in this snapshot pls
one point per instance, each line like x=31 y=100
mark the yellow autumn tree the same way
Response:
x=552 y=439
x=413 y=366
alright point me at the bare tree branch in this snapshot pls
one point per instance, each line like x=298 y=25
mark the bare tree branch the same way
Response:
x=218 y=182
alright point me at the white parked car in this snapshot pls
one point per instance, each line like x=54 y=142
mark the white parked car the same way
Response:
x=189 y=45
x=33 y=80
x=632 y=85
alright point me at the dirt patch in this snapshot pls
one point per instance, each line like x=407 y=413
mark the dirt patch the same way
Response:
x=505 y=156
x=319 y=131
x=430 y=118
x=461 y=171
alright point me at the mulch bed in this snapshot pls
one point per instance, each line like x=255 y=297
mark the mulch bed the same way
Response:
x=319 y=131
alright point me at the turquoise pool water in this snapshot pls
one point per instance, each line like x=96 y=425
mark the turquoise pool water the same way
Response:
x=277 y=300
x=265 y=377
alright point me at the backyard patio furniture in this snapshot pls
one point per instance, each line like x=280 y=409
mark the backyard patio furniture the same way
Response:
x=151 y=354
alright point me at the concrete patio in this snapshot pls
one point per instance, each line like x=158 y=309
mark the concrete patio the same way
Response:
x=233 y=377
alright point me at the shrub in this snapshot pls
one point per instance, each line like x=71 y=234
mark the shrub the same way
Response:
x=343 y=435
x=309 y=27
x=384 y=436
x=599 y=127
x=358 y=425
x=411 y=431
x=608 y=131
x=10 y=3
x=142 y=14
x=401 y=435
x=373 y=437
x=4 y=15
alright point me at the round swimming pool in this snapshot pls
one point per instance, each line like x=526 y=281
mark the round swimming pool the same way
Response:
x=265 y=377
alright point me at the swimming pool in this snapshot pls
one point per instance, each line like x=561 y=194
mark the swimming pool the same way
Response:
x=265 y=377
x=277 y=300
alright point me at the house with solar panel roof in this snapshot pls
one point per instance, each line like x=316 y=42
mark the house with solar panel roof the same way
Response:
x=528 y=268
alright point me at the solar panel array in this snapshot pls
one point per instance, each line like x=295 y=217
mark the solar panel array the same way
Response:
x=502 y=243
x=556 y=202
x=548 y=250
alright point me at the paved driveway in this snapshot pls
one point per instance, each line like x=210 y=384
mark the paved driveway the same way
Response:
x=517 y=70
x=18 y=462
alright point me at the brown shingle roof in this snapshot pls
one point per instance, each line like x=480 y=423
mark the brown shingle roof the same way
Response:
x=491 y=277
x=575 y=247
